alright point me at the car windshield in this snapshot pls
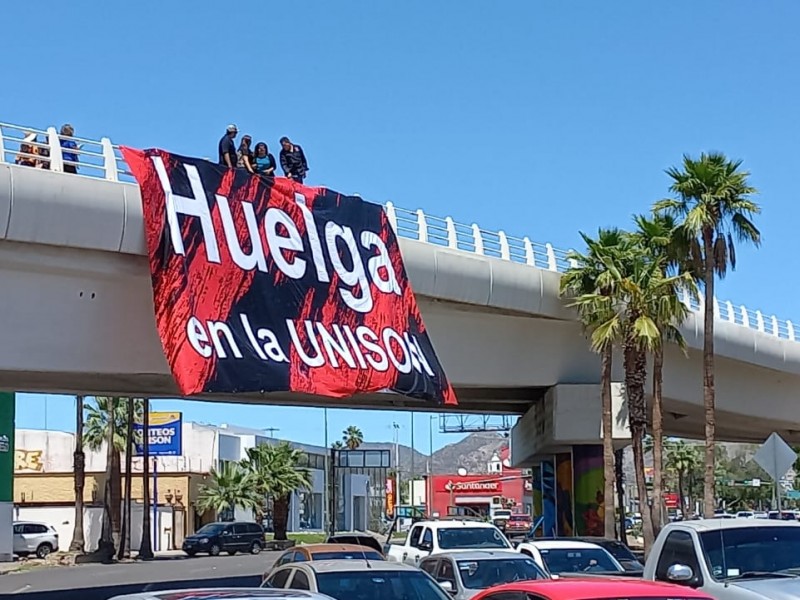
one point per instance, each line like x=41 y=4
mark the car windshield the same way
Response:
x=339 y=554
x=371 y=584
x=481 y=574
x=578 y=560
x=210 y=529
x=452 y=538
x=739 y=551
x=619 y=551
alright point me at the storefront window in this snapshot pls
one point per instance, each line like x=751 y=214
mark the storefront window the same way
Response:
x=310 y=510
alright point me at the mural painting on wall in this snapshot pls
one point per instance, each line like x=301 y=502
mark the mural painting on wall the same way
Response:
x=565 y=521
x=536 y=496
x=589 y=500
x=28 y=460
x=549 y=498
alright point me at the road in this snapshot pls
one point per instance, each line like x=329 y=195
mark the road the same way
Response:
x=100 y=582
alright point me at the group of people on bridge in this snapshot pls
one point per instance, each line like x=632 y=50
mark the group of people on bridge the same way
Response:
x=33 y=153
x=259 y=160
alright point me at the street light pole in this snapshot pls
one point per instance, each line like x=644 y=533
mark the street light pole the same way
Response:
x=412 y=473
x=429 y=482
x=325 y=482
x=397 y=462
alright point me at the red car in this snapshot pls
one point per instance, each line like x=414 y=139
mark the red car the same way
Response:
x=606 y=588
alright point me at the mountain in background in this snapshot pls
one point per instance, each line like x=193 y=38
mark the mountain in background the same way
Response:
x=472 y=453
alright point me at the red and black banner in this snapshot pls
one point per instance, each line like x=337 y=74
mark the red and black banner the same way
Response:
x=265 y=285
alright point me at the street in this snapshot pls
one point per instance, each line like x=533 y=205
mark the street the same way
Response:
x=100 y=582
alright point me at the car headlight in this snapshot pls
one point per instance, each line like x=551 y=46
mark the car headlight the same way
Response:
x=203 y=540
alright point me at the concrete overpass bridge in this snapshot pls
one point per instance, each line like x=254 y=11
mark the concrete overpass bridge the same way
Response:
x=77 y=316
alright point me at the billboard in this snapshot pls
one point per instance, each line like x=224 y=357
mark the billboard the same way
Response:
x=390 y=496
x=164 y=435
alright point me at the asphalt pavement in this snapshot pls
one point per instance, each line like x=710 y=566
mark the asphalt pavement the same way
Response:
x=100 y=582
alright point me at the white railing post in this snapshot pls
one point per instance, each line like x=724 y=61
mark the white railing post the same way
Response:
x=745 y=316
x=505 y=251
x=759 y=321
x=452 y=238
x=54 y=145
x=716 y=308
x=573 y=264
x=729 y=309
x=530 y=257
x=422 y=226
x=790 y=330
x=477 y=239
x=109 y=160
x=775 y=331
x=2 y=147
x=391 y=215
x=552 y=265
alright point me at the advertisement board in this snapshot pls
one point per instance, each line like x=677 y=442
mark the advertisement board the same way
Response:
x=164 y=434
x=389 y=496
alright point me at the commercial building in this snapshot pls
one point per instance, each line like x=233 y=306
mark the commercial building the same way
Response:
x=44 y=484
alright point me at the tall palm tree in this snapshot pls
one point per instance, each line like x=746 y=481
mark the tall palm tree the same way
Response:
x=78 y=542
x=588 y=280
x=713 y=206
x=146 y=545
x=664 y=242
x=352 y=437
x=125 y=546
x=682 y=459
x=231 y=486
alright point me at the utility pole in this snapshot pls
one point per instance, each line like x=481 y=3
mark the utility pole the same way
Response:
x=397 y=462
x=412 y=473
x=271 y=430
x=325 y=491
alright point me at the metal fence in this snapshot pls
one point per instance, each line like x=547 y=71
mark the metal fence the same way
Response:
x=102 y=159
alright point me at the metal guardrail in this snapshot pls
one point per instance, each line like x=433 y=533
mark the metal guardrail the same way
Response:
x=101 y=159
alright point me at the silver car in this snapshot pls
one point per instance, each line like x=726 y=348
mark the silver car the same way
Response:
x=465 y=573
x=224 y=594
x=34 y=538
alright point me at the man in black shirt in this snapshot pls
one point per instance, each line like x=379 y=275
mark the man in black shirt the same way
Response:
x=227 y=149
x=293 y=160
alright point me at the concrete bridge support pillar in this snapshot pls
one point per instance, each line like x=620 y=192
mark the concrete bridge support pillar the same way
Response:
x=7 y=411
x=560 y=439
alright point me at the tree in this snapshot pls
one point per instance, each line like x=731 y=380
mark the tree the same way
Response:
x=352 y=437
x=79 y=468
x=682 y=459
x=125 y=545
x=713 y=207
x=275 y=470
x=146 y=545
x=587 y=283
x=231 y=486
x=662 y=240
x=337 y=445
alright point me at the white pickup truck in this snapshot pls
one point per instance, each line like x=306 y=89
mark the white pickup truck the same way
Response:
x=432 y=537
x=729 y=559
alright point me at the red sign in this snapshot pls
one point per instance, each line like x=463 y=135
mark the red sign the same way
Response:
x=389 y=496
x=476 y=485
x=671 y=500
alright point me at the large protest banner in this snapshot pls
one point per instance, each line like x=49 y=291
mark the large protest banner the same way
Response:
x=263 y=284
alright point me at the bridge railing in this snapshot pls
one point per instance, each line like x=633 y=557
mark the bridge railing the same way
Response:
x=102 y=159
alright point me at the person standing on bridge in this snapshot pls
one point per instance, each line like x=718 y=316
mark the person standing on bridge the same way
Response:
x=227 y=149
x=69 y=148
x=293 y=160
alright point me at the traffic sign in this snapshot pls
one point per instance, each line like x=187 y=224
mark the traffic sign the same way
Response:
x=775 y=456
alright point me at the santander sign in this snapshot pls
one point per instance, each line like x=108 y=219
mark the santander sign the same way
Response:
x=472 y=487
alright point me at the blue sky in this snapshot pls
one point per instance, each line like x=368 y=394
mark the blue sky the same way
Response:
x=540 y=118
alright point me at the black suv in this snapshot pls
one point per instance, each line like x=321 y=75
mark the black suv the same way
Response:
x=235 y=537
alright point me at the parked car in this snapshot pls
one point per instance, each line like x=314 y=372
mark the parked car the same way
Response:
x=589 y=589
x=359 y=539
x=357 y=580
x=214 y=538
x=224 y=594
x=570 y=557
x=464 y=574
x=31 y=537
x=310 y=552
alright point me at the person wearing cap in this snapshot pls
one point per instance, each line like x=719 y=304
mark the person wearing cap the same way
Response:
x=69 y=149
x=227 y=149
x=293 y=160
x=244 y=156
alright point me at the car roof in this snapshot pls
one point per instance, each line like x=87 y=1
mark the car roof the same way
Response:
x=224 y=594
x=713 y=524
x=349 y=565
x=598 y=589
x=563 y=545
x=324 y=547
x=455 y=523
x=479 y=555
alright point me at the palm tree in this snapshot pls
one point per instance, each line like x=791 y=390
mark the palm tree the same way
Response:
x=337 y=445
x=125 y=546
x=584 y=283
x=682 y=459
x=713 y=207
x=231 y=486
x=146 y=545
x=278 y=471
x=79 y=467
x=661 y=239
x=352 y=437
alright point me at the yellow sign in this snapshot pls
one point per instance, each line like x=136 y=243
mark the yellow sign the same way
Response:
x=28 y=460
x=158 y=419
